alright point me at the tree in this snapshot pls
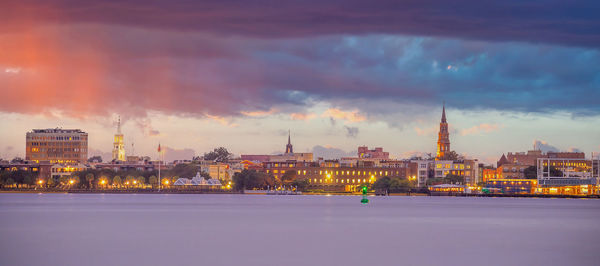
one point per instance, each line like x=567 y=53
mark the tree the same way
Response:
x=400 y=185
x=28 y=180
x=89 y=178
x=95 y=159
x=288 y=176
x=63 y=180
x=153 y=180
x=249 y=179
x=530 y=172
x=554 y=171
x=205 y=175
x=9 y=182
x=50 y=181
x=451 y=155
x=220 y=154
x=129 y=181
x=141 y=180
x=184 y=169
x=117 y=181
x=434 y=181
x=17 y=160
x=300 y=184
x=382 y=184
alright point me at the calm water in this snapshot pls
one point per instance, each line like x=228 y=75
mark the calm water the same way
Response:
x=96 y=229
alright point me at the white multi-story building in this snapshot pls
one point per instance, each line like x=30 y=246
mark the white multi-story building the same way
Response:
x=469 y=169
x=423 y=167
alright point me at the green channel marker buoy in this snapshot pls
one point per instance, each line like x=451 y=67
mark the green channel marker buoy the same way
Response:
x=364 y=199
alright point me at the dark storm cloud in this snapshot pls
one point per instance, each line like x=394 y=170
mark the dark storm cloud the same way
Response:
x=223 y=58
x=551 y=21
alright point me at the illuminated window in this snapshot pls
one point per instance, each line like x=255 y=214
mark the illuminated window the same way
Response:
x=462 y=166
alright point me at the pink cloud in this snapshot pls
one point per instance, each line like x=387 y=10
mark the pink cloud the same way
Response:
x=482 y=128
x=349 y=116
x=302 y=116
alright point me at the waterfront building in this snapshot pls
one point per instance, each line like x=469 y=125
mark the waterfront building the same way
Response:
x=574 y=170
x=57 y=145
x=443 y=144
x=42 y=169
x=512 y=186
x=118 y=152
x=469 y=169
x=220 y=171
x=59 y=170
x=511 y=170
x=377 y=153
x=134 y=165
x=330 y=175
x=424 y=171
x=521 y=158
x=489 y=174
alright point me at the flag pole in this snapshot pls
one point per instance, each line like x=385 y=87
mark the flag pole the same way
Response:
x=159 y=161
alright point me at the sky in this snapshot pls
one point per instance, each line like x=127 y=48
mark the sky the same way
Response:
x=195 y=75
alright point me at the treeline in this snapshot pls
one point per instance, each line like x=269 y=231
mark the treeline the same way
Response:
x=97 y=178
x=250 y=179
x=392 y=184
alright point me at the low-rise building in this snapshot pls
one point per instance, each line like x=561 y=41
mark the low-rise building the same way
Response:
x=465 y=168
x=330 y=175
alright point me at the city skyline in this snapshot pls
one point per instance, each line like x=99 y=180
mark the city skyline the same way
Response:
x=217 y=76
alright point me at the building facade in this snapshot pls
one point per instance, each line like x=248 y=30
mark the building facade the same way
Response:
x=377 y=153
x=469 y=169
x=330 y=175
x=64 y=146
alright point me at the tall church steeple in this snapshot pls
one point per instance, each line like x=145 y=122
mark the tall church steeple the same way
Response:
x=289 y=148
x=118 y=153
x=443 y=144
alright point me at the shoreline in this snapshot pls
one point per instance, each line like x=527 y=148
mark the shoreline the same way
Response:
x=177 y=191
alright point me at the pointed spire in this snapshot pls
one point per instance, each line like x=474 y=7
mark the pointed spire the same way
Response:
x=119 y=126
x=289 y=148
x=444 y=113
